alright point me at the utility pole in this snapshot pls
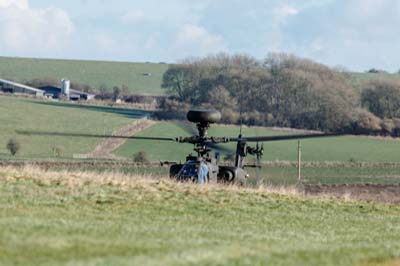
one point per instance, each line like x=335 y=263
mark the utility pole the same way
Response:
x=104 y=125
x=299 y=160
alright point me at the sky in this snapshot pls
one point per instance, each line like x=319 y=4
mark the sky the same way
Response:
x=355 y=34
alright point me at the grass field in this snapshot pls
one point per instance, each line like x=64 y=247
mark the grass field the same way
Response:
x=97 y=73
x=287 y=176
x=94 y=73
x=29 y=114
x=85 y=219
x=341 y=149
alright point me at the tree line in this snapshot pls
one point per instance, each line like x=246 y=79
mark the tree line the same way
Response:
x=281 y=90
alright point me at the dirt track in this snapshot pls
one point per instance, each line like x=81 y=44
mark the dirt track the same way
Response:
x=106 y=147
x=366 y=192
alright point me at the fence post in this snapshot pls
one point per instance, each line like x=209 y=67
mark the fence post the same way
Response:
x=299 y=160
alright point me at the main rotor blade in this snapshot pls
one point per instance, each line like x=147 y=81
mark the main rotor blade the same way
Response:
x=220 y=148
x=286 y=137
x=187 y=127
x=84 y=135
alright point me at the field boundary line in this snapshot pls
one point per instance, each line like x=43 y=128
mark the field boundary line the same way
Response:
x=128 y=162
x=332 y=164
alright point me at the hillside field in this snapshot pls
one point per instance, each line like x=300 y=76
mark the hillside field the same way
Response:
x=94 y=73
x=74 y=218
x=28 y=114
x=38 y=115
x=131 y=74
x=332 y=149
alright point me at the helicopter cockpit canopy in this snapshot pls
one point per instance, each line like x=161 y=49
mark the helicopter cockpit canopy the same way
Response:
x=189 y=169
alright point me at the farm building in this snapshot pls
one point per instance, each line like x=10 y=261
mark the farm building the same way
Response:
x=13 y=87
x=7 y=86
x=73 y=95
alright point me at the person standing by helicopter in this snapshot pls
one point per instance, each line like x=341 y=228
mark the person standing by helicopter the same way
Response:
x=202 y=172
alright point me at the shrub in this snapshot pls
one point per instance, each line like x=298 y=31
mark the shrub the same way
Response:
x=13 y=146
x=141 y=157
x=366 y=122
x=58 y=151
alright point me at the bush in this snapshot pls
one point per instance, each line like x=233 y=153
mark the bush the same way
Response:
x=13 y=146
x=58 y=151
x=229 y=116
x=366 y=122
x=141 y=157
x=172 y=109
x=396 y=128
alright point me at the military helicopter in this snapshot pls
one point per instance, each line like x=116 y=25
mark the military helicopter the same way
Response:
x=203 y=146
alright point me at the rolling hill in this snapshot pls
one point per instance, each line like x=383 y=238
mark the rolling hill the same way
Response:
x=141 y=78
x=134 y=75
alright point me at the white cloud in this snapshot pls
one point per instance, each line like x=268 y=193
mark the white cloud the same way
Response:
x=282 y=13
x=152 y=41
x=105 y=42
x=25 y=30
x=23 y=4
x=359 y=34
x=133 y=16
x=193 y=40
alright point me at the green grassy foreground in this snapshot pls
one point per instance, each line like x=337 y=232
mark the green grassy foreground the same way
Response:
x=339 y=149
x=94 y=73
x=88 y=219
x=38 y=115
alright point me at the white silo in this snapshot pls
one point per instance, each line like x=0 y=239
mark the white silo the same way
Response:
x=65 y=86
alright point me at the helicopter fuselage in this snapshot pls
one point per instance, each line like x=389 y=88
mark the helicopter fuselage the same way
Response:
x=188 y=171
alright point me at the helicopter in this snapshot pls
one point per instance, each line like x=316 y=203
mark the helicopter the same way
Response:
x=204 y=145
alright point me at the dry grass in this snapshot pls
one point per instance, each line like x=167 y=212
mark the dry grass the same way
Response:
x=113 y=178
x=155 y=186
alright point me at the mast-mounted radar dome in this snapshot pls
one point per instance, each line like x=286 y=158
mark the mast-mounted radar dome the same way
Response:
x=203 y=116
